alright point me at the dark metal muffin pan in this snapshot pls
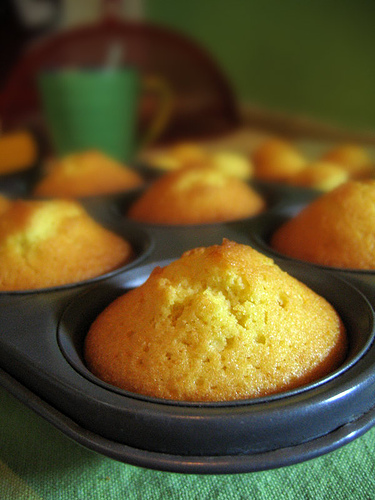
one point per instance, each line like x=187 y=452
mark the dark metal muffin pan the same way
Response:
x=41 y=361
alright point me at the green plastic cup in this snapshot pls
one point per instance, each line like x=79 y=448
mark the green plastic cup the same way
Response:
x=92 y=109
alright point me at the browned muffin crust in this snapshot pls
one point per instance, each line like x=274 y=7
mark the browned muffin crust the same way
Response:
x=51 y=243
x=277 y=160
x=196 y=195
x=88 y=173
x=337 y=229
x=220 y=323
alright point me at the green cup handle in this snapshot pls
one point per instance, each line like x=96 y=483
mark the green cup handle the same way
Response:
x=159 y=87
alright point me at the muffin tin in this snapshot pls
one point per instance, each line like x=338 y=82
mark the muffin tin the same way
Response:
x=41 y=359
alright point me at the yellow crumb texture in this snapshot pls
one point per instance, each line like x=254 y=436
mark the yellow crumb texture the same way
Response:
x=221 y=323
x=87 y=173
x=196 y=195
x=50 y=243
x=337 y=229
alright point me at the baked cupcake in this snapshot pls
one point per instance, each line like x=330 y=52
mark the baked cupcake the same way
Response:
x=353 y=158
x=277 y=160
x=18 y=152
x=52 y=243
x=233 y=163
x=221 y=323
x=177 y=156
x=337 y=229
x=184 y=155
x=83 y=174
x=196 y=195
x=320 y=175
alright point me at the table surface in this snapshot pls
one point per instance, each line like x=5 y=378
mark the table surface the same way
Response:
x=38 y=462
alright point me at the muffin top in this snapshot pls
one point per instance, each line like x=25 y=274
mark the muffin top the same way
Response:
x=336 y=229
x=196 y=195
x=220 y=323
x=277 y=160
x=87 y=173
x=185 y=154
x=54 y=242
x=354 y=158
x=320 y=175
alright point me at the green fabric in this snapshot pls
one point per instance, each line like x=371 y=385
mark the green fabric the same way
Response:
x=37 y=462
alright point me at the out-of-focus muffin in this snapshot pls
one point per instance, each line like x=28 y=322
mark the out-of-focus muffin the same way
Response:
x=320 y=175
x=83 y=174
x=51 y=243
x=196 y=195
x=177 y=156
x=184 y=155
x=277 y=160
x=4 y=203
x=18 y=152
x=220 y=323
x=337 y=229
x=354 y=158
x=233 y=163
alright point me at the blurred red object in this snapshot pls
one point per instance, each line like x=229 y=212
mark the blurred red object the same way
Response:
x=203 y=101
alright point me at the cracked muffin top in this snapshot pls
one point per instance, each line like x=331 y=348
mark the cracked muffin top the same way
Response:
x=52 y=243
x=221 y=323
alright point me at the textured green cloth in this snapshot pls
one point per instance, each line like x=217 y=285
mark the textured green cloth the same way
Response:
x=37 y=462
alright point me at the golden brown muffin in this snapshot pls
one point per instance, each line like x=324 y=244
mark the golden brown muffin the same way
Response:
x=353 y=158
x=337 y=229
x=177 y=156
x=189 y=154
x=277 y=160
x=196 y=195
x=18 y=152
x=86 y=174
x=232 y=163
x=321 y=175
x=51 y=243
x=4 y=203
x=220 y=323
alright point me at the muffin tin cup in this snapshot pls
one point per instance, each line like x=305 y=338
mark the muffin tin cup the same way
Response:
x=41 y=362
x=18 y=184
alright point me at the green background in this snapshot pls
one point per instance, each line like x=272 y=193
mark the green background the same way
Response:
x=37 y=462
x=312 y=58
